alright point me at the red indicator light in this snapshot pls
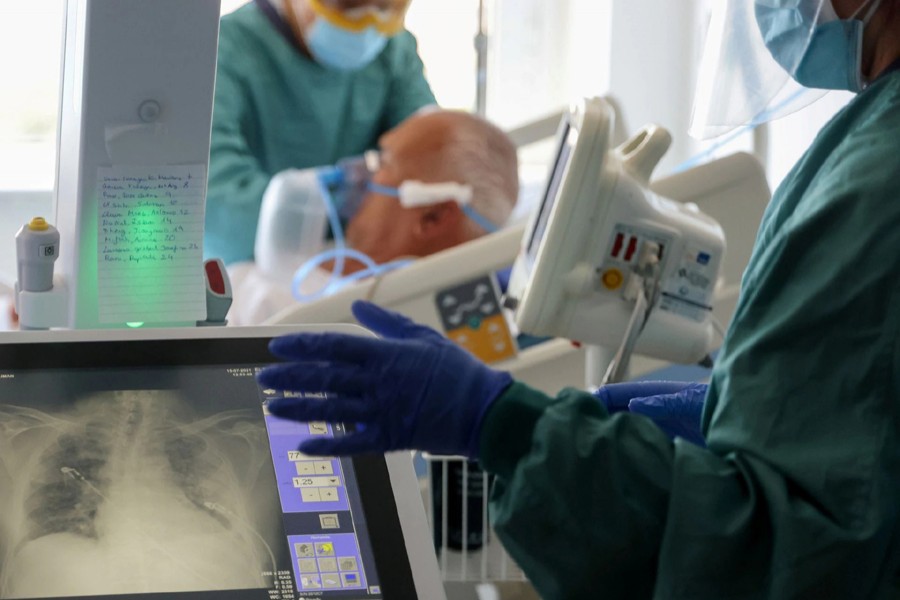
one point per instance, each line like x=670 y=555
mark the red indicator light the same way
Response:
x=632 y=248
x=214 y=277
x=617 y=246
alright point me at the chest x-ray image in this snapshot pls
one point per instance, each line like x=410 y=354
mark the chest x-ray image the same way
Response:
x=128 y=492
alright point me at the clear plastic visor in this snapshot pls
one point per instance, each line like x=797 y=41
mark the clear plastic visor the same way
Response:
x=740 y=83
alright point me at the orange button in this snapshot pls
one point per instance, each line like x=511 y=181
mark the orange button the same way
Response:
x=613 y=279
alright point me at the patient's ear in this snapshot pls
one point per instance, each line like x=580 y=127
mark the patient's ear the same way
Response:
x=438 y=219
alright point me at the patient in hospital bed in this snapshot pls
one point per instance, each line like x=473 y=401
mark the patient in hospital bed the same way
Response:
x=436 y=147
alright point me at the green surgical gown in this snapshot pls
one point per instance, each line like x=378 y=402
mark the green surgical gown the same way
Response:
x=277 y=109
x=798 y=495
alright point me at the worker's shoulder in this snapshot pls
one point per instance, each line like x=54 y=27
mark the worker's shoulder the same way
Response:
x=864 y=168
x=400 y=49
x=873 y=143
x=246 y=24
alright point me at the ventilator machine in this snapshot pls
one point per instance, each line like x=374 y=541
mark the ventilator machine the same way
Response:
x=608 y=262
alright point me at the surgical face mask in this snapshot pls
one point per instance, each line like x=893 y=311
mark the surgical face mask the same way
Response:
x=341 y=49
x=348 y=40
x=810 y=41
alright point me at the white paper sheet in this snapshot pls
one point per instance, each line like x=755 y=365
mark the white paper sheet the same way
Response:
x=150 y=244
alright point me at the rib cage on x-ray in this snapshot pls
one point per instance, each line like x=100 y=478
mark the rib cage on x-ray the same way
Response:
x=129 y=492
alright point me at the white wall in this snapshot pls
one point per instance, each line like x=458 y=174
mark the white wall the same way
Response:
x=791 y=136
x=656 y=46
x=231 y=5
x=446 y=31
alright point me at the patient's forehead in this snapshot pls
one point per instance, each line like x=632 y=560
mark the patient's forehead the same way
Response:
x=417 y=145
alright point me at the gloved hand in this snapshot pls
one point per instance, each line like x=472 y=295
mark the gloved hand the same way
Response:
x=616 y=396
x=413 y=390
x=675 y=407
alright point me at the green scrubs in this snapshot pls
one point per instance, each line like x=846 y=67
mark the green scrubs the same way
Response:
x=277 y=109
x=798 y=495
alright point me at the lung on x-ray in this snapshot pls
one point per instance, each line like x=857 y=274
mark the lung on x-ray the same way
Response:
x=134 y=491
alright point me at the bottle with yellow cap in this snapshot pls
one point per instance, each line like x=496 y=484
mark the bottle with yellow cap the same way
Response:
x=37 y=248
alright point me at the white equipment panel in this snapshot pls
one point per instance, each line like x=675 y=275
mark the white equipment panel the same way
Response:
x=136 y=105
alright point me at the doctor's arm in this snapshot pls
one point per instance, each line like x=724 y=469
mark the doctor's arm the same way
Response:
x=797 y=495
x=587 y=502
x=675 y=406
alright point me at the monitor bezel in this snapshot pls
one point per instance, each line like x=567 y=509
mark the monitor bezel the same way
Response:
x=542 y=282
x=385 y=481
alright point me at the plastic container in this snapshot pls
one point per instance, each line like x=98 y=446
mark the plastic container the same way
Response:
x=292 y=223
x=37 y=248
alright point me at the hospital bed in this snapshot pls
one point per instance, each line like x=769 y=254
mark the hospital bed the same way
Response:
x=733 y=190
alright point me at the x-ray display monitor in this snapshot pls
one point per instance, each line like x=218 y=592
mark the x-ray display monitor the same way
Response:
x=136 y=470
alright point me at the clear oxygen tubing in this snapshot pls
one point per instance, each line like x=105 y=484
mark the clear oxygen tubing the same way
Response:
x=338 y=254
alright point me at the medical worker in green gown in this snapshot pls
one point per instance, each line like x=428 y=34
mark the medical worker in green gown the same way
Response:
x=301 y=83
x=791 y=488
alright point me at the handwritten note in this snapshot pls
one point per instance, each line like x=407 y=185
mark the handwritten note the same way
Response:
x=150 y=244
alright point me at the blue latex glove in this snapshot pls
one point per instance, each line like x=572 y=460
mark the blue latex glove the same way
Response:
x=676 y=411
x=616 y=396
x=413 y=390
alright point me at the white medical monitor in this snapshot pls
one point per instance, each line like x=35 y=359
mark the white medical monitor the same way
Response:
x=582 y=247
x=143 y=465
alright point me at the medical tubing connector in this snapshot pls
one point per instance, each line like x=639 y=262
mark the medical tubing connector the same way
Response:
x=338 y=254
x=647 y=274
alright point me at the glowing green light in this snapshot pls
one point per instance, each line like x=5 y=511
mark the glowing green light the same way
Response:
x=139 y=233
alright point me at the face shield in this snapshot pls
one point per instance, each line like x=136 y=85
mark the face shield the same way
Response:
x=765 y=59
x=350 y=182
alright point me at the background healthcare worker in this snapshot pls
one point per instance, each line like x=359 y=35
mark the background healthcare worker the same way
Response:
x=301 y=83
x=797 y=493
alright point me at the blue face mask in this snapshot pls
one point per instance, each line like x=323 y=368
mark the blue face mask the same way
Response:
x=818 y=51
x=338 y=48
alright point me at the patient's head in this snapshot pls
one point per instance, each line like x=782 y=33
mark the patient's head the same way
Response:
x=436 y=147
